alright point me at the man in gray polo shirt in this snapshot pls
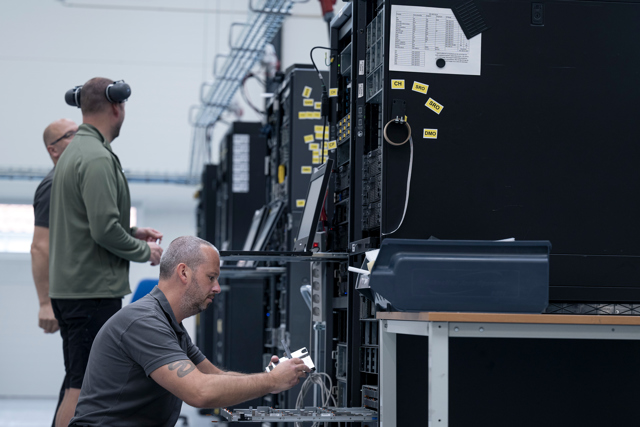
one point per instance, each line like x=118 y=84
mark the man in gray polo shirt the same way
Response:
x=143 y=364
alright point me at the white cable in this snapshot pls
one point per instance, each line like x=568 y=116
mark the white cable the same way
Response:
x=406 y=200
x=318 y=379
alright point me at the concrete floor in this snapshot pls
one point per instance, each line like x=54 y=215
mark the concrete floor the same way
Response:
x=39 y=413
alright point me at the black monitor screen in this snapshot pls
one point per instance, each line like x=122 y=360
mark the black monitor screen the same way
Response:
x=274 y=210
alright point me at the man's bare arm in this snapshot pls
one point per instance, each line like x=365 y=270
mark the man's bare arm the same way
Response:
x=206 y=367
x=40 y=271
x=216 y=391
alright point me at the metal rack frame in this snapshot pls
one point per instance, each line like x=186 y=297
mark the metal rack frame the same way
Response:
x=246 y=48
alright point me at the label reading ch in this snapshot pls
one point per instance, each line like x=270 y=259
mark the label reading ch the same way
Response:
x=434 y=106
x=430 y=134
x=333 y=92
x=420 y=87
x=398 y=84
x=306 y=92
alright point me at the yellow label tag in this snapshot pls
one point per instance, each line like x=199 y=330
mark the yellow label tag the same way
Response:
x=319 y=135
x=430 y=133
x=318 y=128
x=420 y=87
x=315 y=153
x=307 y=102
x=333 y=92
x=306 y=92
x=281 y=174
x=332 y=145
x=302 y=115
x=397 y=84
x=315 y=160
x=314 y=147
x=317 y=106
x=308 y=138
x=433 y=105
x=315 y=115
x=300 y=203
x=306 y=170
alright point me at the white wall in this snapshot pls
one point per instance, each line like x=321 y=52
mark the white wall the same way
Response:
x=164 y=49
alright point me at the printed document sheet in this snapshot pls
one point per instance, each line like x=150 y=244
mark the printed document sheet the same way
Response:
x=420 y=36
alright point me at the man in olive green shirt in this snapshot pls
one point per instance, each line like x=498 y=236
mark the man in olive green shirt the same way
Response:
x=91 y=241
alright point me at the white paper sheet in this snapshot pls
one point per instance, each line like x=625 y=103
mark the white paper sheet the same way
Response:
x=422 y=35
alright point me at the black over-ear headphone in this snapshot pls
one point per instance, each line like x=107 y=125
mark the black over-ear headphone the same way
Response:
x=116 y=93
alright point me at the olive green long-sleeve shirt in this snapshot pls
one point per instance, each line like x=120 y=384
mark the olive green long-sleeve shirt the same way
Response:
x=91 y=241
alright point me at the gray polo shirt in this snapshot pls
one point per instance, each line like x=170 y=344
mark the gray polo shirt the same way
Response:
x=117 y=389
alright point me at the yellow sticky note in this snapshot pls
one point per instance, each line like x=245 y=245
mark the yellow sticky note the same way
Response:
x=333 y=92
x=307 y=102
x=308 y=138
x=397 y=84
x=430 y=133
x=314 y=146
x=331 y=145
x=306 y=170
x=315 y=160
x=307 y=91
x=315 y=115
x=317 y=106
x=318 y=128
x=300 y=203
x=434 y=106
x=420 y=87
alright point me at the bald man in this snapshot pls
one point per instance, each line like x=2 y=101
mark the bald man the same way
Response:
x=56 y=138
x=143 y=364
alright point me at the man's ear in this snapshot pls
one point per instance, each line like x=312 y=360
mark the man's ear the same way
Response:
x=184 y=273
x=115 y=109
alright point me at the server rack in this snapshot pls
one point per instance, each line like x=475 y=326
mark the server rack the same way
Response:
x=499 y=164
x=295 y=131
x=230 y=330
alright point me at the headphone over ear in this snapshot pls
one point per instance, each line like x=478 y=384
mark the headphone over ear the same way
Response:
x=116 y=93
x=72 y=97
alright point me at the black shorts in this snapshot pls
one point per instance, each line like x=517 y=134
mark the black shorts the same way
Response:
x=80 y=320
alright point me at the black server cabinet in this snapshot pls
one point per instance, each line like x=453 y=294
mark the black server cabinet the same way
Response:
x=230 y=331
x=516 y=154
x=241 y=188
x=539 y=145
x=295 y=138
x=206 y=218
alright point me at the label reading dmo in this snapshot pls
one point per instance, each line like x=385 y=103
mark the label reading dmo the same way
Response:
x=430 y=134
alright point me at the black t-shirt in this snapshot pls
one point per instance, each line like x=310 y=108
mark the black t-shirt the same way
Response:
x=41 y=201
x=117 y=390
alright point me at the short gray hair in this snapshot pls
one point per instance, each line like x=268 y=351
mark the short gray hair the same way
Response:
x=185 y=249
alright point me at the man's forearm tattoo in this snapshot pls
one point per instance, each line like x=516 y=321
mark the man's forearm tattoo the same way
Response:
x=183 y=367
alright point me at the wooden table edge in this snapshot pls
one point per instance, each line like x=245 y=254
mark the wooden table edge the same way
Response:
x=558 y=319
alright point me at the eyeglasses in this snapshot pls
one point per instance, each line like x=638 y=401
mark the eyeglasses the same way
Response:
x=65 y=136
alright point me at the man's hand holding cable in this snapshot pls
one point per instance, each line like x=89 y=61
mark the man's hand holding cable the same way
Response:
x=287 y=374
